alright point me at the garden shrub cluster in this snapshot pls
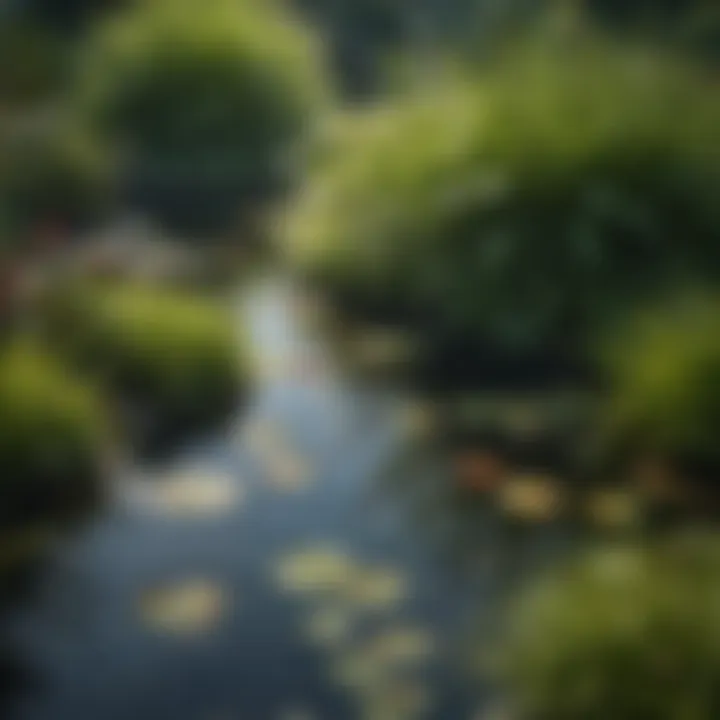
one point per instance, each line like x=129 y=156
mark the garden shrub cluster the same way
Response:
x=627 y=633
x=205 y=101
x=663 y=367
x=527 y=205
x=169 y=352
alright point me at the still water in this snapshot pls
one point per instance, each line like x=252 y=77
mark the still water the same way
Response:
x=180 y=603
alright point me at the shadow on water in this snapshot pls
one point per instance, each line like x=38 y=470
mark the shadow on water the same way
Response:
x=168 y=606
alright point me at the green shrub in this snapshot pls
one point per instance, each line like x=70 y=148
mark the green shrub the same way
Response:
x=525 y=205
x=168 y=352
x=54 y=174
x=33 y=65
x=627 y=633
x=205 y=102
x=664 y=378
x=52 y=437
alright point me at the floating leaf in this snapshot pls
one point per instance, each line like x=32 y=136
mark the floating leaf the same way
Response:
x=196 y=492
x=402 y=646
x=316 y=570
x=330 y=627
x=377 y=588
x=191 y=607
x=395 y=701
x=357 y=670
x=286 y=468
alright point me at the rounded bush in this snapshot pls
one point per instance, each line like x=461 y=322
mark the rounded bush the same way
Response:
x=664 y=378
x=52 y=437
x=167 y=353
x=523 y=206
x=204 y=101
x=625 y=633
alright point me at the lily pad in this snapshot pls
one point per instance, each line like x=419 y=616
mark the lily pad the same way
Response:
x=396 y=701
x=377 y=588
x=402 y=646
x=197 y=492
x=319 y=570
x=330 y=626
x=188 y=608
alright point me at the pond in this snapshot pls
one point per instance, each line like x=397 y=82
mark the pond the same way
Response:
x=303 y=563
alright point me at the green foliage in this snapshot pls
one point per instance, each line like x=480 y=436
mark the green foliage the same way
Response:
x=55 y=173
x=525 y=205
x=68 y=16
x=664 y=373
x=171 y=352
x=52 y=433
x=205 y=102
x=32 y=64
x=627 y=633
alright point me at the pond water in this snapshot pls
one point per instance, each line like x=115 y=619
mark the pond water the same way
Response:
x=306 y=562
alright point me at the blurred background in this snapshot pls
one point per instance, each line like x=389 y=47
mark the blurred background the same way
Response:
x=359 y=359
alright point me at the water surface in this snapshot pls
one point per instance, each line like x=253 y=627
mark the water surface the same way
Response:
x=312 y=462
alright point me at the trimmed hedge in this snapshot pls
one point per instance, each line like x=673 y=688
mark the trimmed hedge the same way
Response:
x=52 y=437
x=165 y=352
x=523 y=207
x=205 y=102
x=625 y=633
